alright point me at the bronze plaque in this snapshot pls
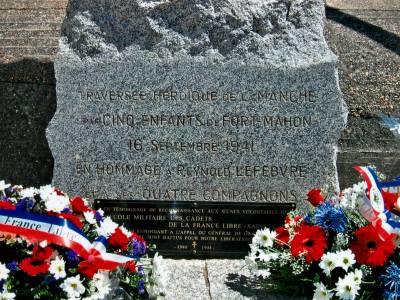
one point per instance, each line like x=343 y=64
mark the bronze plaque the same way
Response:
x=196 y=229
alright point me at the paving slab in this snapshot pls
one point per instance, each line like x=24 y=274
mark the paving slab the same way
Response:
x=365 y=4
x=186 y=280
x=368 y=46
x=214 y=279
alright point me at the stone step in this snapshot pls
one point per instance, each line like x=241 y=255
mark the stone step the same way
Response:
x=50 y=42
x=29 y=4
x=365 y=4
x=28 y=34
x=26 y=51
x=4 y=58
x=32 y=15
x=29 y=26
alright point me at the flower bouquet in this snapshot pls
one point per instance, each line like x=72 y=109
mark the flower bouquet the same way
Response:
x=345 y=248
x=54 y=247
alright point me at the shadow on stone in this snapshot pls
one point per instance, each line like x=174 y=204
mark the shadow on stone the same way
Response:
x=243 y=285
x=387 y=39
x=367 y=141
x=248 y=288
x=28 y=102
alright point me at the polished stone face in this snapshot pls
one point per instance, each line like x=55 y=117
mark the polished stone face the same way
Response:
x=196 y=229
x=257 y=121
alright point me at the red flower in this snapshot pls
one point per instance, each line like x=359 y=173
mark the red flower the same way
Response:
x=369 y=248
x=119 y=239
x=5 y=204
x=390 y=200
x=131 y=266
x=41 y=254
x=314 y=197
x=74 y=219
x=292 y=223
x=33 y=267
x=88 y=268
x=282 y=236
x=38 y=263
x=310 y=241
x=78 y=205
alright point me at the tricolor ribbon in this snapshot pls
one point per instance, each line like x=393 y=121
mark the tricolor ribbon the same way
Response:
x=61 y=232
x=373 y=206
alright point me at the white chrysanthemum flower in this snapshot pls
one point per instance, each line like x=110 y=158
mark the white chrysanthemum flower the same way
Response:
x=98 y=295
x=89 y=217
x=101 y=279
x=57 y=268
x=266 y=257
x=347 y=288
x=345 y=259
x=264 y=238
x=351 y=196
x=328 y=262
x=158 y=264
x=356 y=276
x=45 y=191
x=360 y=187
x=102 y=284
x=107 y=227
x=3 y=185
x=53 y=202
x=157 y=281
x=159 y=271
x=3 y=272
x=321 y=292
x=254 y=249
x=73 y=287
x=29 y=192
x=7 y=296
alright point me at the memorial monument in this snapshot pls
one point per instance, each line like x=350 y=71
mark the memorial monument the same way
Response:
x=195 y=101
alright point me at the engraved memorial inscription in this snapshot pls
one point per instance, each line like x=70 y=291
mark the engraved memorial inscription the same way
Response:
x=196 y=229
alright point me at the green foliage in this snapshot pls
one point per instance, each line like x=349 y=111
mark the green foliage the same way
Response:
x=283 y=281
x=355 y=220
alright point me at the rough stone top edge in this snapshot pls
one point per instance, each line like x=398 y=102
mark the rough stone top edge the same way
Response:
x=67 y=56
x=280 y=33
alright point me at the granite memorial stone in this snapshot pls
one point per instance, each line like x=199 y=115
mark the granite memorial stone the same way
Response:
x=224 y=100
